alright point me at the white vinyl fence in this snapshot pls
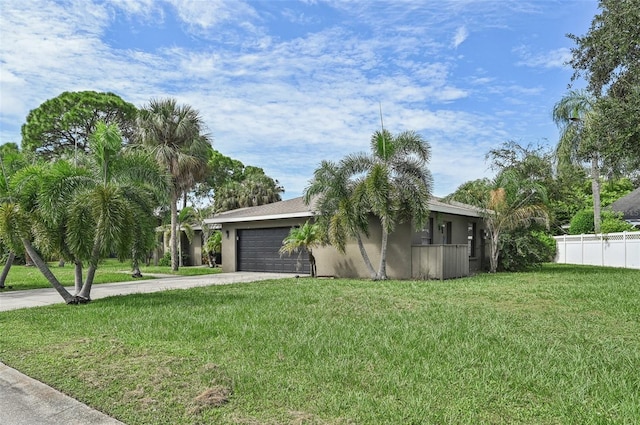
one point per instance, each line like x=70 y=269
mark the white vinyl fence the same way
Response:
x=613 y=249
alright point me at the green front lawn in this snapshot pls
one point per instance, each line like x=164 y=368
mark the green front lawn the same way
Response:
x=109 y=271
x=558 y=346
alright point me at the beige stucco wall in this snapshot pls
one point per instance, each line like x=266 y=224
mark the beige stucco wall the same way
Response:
x=330 y=262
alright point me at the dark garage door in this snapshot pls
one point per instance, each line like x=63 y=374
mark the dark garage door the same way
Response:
x=258 y=252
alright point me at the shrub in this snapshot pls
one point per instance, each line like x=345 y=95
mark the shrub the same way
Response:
x=525 y=249
x=582 y=223
x=165 y=261
x=611 y=222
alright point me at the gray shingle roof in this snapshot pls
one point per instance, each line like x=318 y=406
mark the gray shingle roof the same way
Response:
x=628 y=205
x=296 y=207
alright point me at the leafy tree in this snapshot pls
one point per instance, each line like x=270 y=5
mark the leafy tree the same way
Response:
x=392 y=184
x=63 y=125
x=608 y=57
x=306 y=238
x=565 y=188
x=174 y=134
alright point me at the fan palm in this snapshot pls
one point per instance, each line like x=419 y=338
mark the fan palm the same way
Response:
x=174 y=135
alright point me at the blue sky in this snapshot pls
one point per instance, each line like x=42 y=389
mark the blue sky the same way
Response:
x=283 y=85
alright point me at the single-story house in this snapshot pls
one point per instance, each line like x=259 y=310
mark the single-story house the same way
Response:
x=629 y=206
x=452 y=244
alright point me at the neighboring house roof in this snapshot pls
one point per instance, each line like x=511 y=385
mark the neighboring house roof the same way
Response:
x=629 y=205
x=295 y=208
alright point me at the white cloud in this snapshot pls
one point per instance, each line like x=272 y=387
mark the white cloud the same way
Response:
x=556 y=58
x=460 y=36
x=277 y=102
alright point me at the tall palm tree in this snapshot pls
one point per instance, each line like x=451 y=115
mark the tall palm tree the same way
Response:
x=574 y=114
x=174 y=134
x=306 y=238
x=395 y=185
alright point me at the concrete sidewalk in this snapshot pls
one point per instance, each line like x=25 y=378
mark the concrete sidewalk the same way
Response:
x=25 y=401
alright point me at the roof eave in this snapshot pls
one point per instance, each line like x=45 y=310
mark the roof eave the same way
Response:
x=222 y=220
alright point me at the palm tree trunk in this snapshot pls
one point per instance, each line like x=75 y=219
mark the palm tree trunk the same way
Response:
x=180 y=262
x=365 y=257
x=44 y=269
x=78 y=275
x=312 y=263
x=495 y=251
x=382 y=270
x=174 y=232
x=85 y=294
x=6 y=268
x=595 y=189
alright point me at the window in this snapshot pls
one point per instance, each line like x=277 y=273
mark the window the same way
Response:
x=425 y=236
x=471 y=239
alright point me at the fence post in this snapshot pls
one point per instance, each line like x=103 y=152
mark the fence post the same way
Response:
x=624 y=242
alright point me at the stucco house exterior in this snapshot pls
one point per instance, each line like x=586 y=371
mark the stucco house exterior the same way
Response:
x=452 y=244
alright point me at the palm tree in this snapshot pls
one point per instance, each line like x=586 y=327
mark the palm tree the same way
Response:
x=18 y=219
x=573 y=114
x=11 y=160
x=395 y=185
x=339 y=217
x=174 y=135
x=306 y=238
x=86 y=213
x=213 y=245
x=508 y=202
x=512 y=203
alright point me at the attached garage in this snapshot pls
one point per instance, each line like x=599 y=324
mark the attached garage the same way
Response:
x=257 y=251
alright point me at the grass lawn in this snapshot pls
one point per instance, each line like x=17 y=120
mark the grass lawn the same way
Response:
x=557 y=346
x=109 y=271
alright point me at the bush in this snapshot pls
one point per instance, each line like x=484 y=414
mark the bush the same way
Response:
x=165 y=261
x=525 y=249
x=610 y=222
x=582 y=223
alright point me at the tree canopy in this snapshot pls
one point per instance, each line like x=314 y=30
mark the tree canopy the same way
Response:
x=608 y=57
x=60 y=125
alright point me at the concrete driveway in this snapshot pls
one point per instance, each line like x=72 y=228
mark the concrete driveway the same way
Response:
x=25 y=401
